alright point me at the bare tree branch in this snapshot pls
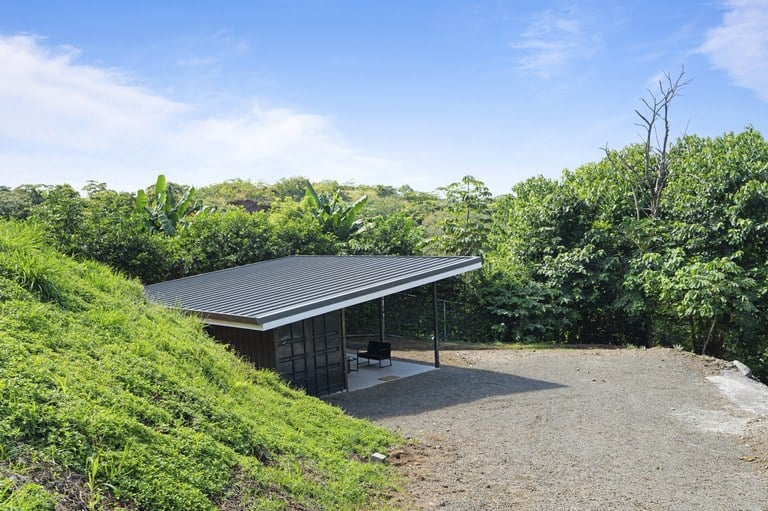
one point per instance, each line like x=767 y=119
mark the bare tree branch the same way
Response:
x=649 y=182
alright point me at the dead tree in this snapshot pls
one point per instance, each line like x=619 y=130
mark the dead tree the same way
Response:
x=650 y=178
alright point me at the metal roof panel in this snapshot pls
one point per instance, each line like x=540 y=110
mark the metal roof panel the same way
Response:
x=268 y=294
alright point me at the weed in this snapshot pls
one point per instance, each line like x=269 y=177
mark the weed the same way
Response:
x=27 y=497
x=92 y=473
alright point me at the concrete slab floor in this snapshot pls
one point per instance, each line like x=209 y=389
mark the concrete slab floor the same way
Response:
x=371 y=375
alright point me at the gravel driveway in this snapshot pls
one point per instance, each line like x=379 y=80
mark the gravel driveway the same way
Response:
x=573 y=429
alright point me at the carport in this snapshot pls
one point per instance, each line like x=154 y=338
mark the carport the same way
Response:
x=288 y=314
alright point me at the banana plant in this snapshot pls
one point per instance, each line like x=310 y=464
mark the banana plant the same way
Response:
x=162 y=212
x=334 y=215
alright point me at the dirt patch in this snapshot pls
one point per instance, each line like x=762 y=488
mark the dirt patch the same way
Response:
x=570 y=429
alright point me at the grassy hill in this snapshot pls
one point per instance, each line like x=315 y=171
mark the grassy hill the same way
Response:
x=110 y=402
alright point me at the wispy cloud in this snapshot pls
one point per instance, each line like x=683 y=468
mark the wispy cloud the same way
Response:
x=739 y=45
x=62 y=121
x=47 y=98
x=209 y=50
x=552 y=40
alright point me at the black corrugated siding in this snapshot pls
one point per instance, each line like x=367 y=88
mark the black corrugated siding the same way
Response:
x=309 y=353
x=257 y=347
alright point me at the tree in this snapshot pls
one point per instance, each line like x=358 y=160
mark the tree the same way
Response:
x=223 y=239
x=62 y=213
x=650 y=176
x=704 y=294
x=555 y=269
x=395 y=234
x=93 y=188
x=236 y=191
x=14 y=204
x=290 y=187
x=111 y=234
x=20 y=201
x=465 y=228
x=333 y=215
x=718 y=209
x=292 y=234
x=163 y=213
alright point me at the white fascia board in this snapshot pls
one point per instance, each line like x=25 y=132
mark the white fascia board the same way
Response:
x=234 y=324
x=286 y=320
x=268 y=325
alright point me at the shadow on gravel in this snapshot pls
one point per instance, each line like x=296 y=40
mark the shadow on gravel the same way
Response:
x=447 y=386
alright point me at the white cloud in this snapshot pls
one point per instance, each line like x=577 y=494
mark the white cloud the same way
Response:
x=739 y=45
x=62 y=121
x=552 y=41
x=269 y=143
x=48 y=99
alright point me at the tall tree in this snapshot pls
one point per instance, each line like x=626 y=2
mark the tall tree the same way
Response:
x=465 y=228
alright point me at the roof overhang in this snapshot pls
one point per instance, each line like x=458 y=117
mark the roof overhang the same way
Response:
x=270 y=294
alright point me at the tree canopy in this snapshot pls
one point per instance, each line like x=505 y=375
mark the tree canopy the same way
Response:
x=565 y=260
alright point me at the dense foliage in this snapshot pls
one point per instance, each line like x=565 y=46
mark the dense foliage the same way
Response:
x=112 y=227
x=573 y=261
x=162 y=211
x=110 y=402
x=333 y=215
x=646 y=248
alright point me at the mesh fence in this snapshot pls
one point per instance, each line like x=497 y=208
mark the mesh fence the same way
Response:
x=411 y=316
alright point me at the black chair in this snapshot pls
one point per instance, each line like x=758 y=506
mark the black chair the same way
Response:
x=377 y=350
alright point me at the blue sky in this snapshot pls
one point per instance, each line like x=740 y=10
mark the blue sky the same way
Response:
x=370 y=92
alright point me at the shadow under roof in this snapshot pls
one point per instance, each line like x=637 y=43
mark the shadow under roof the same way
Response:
x=269 y=294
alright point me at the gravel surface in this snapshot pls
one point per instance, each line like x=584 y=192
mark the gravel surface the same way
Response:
x=573 y=429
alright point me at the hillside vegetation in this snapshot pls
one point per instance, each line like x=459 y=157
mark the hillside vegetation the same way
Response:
x=110 y=402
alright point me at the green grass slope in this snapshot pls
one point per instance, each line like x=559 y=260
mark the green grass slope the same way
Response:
x=110 y=402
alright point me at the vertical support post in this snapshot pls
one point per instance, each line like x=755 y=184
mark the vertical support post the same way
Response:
x=381 y=319
x=445 y=321
x=344 y=356
x=437 y=326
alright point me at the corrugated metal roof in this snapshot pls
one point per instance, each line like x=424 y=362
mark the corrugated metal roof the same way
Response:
x=269 y=294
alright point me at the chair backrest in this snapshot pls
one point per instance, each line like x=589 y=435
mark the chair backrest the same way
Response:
x=379 y=348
